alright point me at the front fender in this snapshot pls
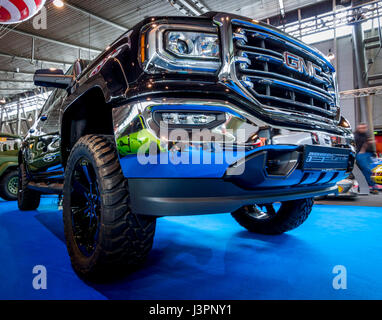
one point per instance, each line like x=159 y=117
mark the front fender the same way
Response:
x=5 y=166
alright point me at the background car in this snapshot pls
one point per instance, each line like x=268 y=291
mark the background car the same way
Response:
x=347 y=188
x=377 y=174
x=9 y=145
x=376 y=170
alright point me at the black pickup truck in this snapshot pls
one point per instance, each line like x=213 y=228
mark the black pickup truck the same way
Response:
x=185 y=116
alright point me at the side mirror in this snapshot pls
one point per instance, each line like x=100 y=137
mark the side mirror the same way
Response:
x=77 y=68
x=52 y=78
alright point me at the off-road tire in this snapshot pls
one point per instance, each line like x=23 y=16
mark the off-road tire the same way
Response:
x=124 y=239
x=5 y=191
x=27 y=199
x=290 y=216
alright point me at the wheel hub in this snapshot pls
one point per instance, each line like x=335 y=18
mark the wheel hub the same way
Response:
x=261 y=212
x=85 y=205
x=13 y=185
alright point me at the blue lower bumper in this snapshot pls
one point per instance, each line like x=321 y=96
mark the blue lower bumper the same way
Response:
x=253 y=175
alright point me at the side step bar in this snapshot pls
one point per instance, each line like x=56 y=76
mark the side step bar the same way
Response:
x=44 y=188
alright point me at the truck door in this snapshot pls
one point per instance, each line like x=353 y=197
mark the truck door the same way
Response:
x=43 y=153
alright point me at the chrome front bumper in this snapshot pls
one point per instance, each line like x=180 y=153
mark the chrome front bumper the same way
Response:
x=135 y=127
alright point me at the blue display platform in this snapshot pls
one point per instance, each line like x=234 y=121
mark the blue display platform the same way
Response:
x=204 y=257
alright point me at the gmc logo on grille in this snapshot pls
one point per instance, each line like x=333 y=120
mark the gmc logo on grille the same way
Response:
x=306 y=68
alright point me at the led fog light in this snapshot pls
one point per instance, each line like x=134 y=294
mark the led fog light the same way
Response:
x=189 y=119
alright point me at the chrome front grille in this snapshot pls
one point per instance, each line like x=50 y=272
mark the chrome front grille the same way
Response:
x=280 y=72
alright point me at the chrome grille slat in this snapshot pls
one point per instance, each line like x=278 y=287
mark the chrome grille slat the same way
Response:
x=260 y=50
x=278 y=61
x=300 y=104
x=264 y=57
x=280 y=37
x=266 y=66
x=288 y=46
x=271 y=75
x=293 y=87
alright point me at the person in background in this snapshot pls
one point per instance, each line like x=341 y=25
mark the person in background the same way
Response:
x=365 y=154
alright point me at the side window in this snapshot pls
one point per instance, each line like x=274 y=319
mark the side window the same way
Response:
x=52 y=112
x=9 y=144
x=45 y=108
x=47 y=103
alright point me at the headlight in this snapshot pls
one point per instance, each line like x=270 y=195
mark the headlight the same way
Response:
x=180 y=49
x=193 y=44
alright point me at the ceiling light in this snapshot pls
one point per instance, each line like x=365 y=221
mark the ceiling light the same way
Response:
x=331 y=56
x=58 y=3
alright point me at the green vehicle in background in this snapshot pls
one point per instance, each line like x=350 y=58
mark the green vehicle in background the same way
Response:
x=9 y=146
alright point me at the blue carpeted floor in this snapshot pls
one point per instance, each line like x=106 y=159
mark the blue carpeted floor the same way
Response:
x=205 y=257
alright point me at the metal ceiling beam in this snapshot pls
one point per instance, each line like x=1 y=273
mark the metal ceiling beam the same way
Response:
x=56 y=62
x=11 y=86
x=200 y=5
x=16 y=81
x=27 y=73
x=364 y=92
x=17 y=89
x=30 y=93
x=180 y=7
x=306 y=11
x=96 y=17
x=191 y=7
x=54 y=41
x=282 y=8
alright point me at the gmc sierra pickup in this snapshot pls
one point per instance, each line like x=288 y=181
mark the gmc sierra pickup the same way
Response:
x=185 y=116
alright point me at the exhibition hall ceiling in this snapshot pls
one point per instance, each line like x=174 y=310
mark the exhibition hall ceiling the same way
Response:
x=70 y=32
